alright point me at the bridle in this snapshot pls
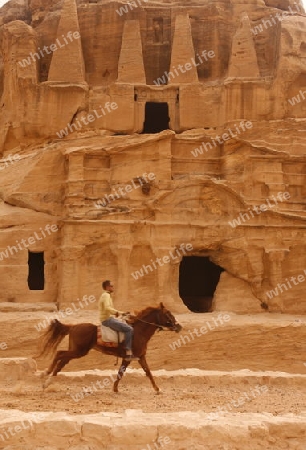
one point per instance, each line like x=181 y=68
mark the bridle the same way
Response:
x=160 y=327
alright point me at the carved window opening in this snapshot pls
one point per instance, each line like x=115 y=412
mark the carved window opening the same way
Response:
x=156 y=118
x=198 y=279
x=44 y=71
x=158 y=30
x=36 y=277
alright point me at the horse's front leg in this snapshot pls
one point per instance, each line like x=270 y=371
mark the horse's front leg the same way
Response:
x=120 y=374
x=143 y=362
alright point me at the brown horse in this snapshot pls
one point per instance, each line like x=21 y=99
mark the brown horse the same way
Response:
x=83 y=337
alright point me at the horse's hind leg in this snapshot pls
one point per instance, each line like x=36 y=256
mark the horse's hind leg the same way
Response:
x=54 y=362
x=51 y=371
x=58 y=356
x=65 y=356
x=120 y=374
x=62 y=358
x=143 y=362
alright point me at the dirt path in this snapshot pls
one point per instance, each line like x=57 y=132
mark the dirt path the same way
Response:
x=244 y=342
x=89 y=394
x=256 y=342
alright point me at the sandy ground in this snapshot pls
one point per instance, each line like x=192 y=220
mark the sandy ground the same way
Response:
x=87 y=394
x=256 y=342
x=259 y=343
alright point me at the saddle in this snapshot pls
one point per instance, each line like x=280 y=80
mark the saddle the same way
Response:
x=108 y=337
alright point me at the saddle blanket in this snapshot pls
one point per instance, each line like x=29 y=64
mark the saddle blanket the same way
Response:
x=108 y=337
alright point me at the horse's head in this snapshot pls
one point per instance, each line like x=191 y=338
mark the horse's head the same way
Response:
x=166 y=319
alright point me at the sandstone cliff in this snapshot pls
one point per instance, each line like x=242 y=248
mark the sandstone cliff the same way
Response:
x=209 y=97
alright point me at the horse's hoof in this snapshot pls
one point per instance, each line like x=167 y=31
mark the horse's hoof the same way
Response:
x=43 y=373
x=47 y=382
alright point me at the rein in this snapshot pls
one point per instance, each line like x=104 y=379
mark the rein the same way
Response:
x=161 y=327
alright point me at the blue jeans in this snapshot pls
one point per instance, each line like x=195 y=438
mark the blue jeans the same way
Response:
x=120 y=326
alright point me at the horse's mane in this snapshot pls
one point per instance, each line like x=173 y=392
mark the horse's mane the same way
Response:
x=144 y=312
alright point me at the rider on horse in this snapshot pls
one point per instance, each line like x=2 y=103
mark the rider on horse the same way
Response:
x=107 y=313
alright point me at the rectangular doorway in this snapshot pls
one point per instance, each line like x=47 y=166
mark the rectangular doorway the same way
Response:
x=36 y=276
x=156 y=118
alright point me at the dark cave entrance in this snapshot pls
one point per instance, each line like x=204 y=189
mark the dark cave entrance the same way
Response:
x=36 y=277
x=156 y=118
x=198 y=279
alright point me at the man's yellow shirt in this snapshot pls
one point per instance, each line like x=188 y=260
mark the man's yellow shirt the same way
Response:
x=106 y=307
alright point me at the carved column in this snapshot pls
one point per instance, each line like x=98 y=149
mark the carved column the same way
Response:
x=276 y=257
x=163 y=262
x=165 y=270
x=124 y=271
x=74 y=195
x=71 y=273
x=121 y=248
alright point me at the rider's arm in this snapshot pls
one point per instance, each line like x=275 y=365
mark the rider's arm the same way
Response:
x=108 y=305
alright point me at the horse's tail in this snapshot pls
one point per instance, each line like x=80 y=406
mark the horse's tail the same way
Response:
x=53 y=336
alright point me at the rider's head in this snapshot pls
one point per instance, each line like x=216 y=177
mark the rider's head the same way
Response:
x=107 y=285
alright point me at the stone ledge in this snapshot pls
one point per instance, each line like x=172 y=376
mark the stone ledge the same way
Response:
x=271 y=378
x=15 y=369
x=27 y=307
x=251 y=342
x=136 y=430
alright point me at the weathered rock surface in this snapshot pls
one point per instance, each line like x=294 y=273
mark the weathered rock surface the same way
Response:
x=218 y=90
x=15 y=369
x=134 y=136
x=125 y=431
x=222 y=341
x=215 y=408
